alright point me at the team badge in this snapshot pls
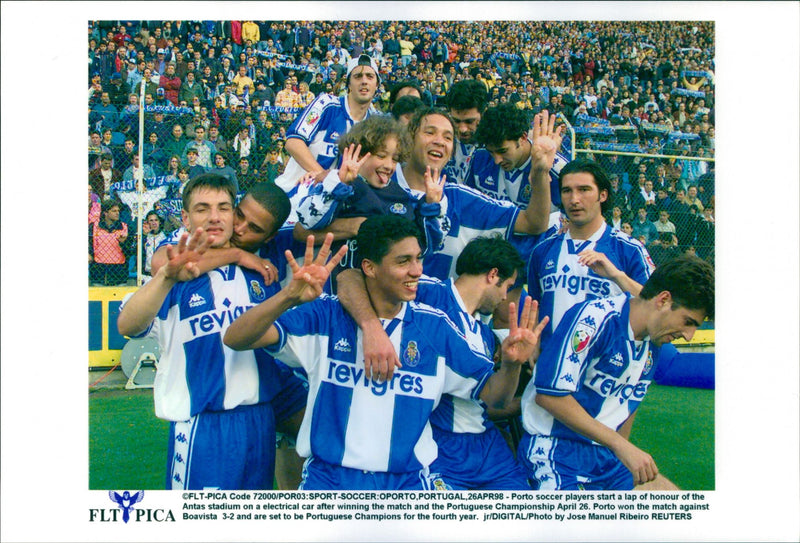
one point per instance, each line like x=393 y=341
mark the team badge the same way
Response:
x=582 y=337
x=398 y=209
x=648 y=365
x=411 y=355
x=526 y=193
x=313 y=117
x=439 y=484
x=256 y=292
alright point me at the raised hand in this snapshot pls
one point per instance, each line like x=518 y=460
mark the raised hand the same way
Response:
x=599 y=263
x=351 y=164
x=522 y=343
x=434 y=185
x=309 y=279
x=546 y=140
x=182 y=259
x=260 y=265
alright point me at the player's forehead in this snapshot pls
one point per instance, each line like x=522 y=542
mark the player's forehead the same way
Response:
x=578 y=180
x=403 y=248
x=460 y=115
x=362 y=71
x=436 y=121
x=209 y=196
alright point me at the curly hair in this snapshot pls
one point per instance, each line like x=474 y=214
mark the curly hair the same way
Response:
x=371 y=134
x=501 y=123
x=467 y=94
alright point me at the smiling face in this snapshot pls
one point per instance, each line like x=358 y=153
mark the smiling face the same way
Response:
x=433 y=143
x=394 y=279
x=212 y=210
x=379 y=167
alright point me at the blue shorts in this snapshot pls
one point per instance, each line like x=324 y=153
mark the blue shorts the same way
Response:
x=477 y=461
x=226 y=450
x=320 y=475
x=565 y=464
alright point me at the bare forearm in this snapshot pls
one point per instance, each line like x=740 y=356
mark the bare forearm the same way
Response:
x=254 y=328
x=568 y=411
x=299 y=151
x=341 y=229
x=211 y=259
x=626 y=283
x=534 y=218
x=143 y=306
x=501 y=386
x=352 y=292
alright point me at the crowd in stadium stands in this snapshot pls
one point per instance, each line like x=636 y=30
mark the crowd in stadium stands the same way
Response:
x=219 y=97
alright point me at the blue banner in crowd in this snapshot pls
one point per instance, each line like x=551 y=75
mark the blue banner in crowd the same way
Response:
x=169 y=206
x=658 y=128
x=168 y=109
x=277 y=109
x=598 y=130
x=149 y=183
x=588 y=119
x=624 y=147
x=687 y=92
x=683 y=136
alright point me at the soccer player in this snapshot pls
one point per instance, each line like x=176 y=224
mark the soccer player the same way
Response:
x=311 y=139
x=595 y=371
x=259 y=244
x=590 y=259
x=466 y=102
x=472 y=453
x=365 y=432
x=364 y=185
x=218 y=402
x=502 y=168
x=470 y=213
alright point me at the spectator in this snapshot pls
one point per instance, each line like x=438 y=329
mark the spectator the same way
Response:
x=664 y=248
x=243 y=81
x=190 y=89
x=133 y=170
x=193 y=167
x=205 y=150
x=96 y=149
x=104 y=115
x=642 y=227
x=247 y=177
x=286 y=97
x=663 y=224
x=94 y=206
x=171 y=84
x=107 y=261
x=153 y=236
x=304 y=95
x=272 y=167
x=102 y=177
x=222 y=168
x=692 y=199
x=176 y=142
x=243 y=144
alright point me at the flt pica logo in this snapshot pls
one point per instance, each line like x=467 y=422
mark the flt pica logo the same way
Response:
x=126 y=511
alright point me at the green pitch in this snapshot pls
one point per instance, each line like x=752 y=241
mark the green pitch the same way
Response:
x=128 y=444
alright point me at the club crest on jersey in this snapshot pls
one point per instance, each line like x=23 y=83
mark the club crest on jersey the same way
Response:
x=411 y=356
x=256 y=292
x=526 y=193
x=648 y=365
x=313 y=117
x=582 y=337
x=398 y=209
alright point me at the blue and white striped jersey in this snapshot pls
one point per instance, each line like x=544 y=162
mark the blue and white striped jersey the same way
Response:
x=458 y=165
x=365 y=424
x=320 y=126
x=488 y=177
x=596 y=359
x=196 y=371
x=456 y=414
x=558 y=281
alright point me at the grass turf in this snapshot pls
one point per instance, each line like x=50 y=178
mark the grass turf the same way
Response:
x=128 y=444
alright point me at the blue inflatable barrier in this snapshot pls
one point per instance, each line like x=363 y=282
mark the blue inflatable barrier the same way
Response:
x=695 y=370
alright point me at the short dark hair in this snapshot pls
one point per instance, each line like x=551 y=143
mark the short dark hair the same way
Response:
x=379 y=233
x=371 y=135
x=108 y=203
x=273 y=199
x=400 y=86
x=210 y=181
x=688 y=279
x=406 y=104
x=582 y=165
x=502 y=123
x=467 y=94
x=484 y=253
